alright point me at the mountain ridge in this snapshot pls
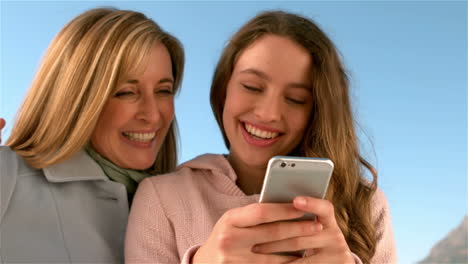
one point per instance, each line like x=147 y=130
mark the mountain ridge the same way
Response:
x=453 y=248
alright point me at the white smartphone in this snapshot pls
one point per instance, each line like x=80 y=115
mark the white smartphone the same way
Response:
x=288 y=177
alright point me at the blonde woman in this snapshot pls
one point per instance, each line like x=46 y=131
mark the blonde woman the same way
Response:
x=279 y=89
x=98 y=118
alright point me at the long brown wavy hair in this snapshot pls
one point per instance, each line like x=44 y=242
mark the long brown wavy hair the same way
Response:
x=330 y=132
x=81 y=69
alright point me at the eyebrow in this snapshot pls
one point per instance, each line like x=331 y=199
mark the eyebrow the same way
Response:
x=163 y=80
x=265 y=76
x=257 y=73
x=301 y=86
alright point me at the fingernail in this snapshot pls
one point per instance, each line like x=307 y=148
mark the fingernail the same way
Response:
x=255 y=249
x=301 y=201
x=316 y=227
x=319 y=227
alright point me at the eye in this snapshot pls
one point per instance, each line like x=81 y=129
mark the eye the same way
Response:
x=165 y=91
x=251 y=88
x=124 y=94
x=296 y=101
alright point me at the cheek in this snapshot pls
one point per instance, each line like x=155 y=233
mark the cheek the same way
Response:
x=227 y=106
x=225 y=119
x=167 y=110
x=298 y=122
x=97 y=138
x=108 y=119
x=231 y=114
x=227 y=111
x=228 y=119
x=112 y=114
x=234 y=103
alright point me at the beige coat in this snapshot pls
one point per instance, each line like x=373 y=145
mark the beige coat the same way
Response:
x=66 y=213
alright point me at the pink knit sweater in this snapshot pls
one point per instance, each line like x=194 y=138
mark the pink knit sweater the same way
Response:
x=173 y=214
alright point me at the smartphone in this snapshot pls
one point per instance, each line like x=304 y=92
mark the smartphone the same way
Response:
x=288 y=177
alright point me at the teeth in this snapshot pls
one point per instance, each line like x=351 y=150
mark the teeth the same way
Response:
x=260 y=133
x=140 y=137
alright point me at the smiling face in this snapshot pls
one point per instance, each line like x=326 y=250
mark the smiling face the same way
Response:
x=136 y=118
x=268 y=100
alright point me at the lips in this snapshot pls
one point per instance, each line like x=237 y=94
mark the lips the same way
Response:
x=259 y=133
x=259 y=137
x=140 y=139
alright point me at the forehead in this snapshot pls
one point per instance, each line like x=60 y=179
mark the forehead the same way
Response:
x=159 y=59
x=153 y=59
x=279 y=57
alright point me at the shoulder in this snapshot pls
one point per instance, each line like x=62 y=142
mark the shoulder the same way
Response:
x=379 y=202
x=206 y=162
x=12 y=163
x=12 y=167
x=181 y=176
x=169 y=182
x=7 y=155
x=194 y=170
x=191 y=180
x=164 y=194
x=380 y=210
x=385 y=248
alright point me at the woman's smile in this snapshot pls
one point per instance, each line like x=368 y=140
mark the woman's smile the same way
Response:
x=140 y=139
x=258 y=137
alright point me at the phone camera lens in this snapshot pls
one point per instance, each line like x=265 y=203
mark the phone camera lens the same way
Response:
x=283 y=164
x=294 y=164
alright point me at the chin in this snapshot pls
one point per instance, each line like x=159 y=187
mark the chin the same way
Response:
x=145 y=166
x=140 y=164
x=256 y=160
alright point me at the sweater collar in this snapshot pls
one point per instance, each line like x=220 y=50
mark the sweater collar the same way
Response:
x=224 y=176
x=213 y=162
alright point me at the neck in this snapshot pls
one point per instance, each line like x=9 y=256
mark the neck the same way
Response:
x=249 y=178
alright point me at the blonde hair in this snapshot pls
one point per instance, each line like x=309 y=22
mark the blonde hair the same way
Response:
x=82 y=67
x=330 y=132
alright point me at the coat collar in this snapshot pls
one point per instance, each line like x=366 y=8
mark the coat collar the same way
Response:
x=80 y=167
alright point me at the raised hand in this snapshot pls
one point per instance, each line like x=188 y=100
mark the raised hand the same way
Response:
x=237 y=232
x=326 y=246
x=2 y=125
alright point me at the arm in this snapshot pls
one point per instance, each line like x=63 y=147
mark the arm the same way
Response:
x=150 y=237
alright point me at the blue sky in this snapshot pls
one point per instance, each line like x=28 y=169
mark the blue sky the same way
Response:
x=408 y=67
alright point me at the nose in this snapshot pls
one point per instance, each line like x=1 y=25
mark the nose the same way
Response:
x=269 y=108
x=148 y=110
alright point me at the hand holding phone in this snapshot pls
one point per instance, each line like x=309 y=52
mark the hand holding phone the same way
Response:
x=289 y=177
x=238 y=230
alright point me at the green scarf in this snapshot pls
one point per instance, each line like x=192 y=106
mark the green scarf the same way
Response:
x=129 y=178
